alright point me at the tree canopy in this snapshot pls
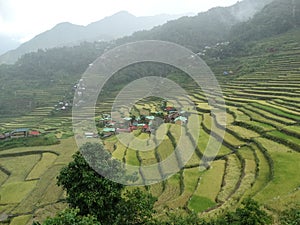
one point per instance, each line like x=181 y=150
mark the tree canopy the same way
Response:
x=94 y=194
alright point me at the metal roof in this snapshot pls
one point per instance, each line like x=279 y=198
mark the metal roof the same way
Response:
x=20 y=130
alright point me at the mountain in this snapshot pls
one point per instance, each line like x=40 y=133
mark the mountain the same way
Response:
x=7 y=43
x=275 y=18
x=68 y=34
x=206 y=28
x=42 y=78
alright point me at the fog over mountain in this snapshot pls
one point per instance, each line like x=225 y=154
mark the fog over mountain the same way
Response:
x=124 y=24
x=7 y=43
x=68 y=34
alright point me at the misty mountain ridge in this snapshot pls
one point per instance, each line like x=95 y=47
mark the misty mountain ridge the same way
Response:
x=204 y=29
x=67 y=34
x=7 y=43
x=207 y=28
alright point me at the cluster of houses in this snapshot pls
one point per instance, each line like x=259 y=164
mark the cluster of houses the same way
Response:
x=62 y=105
x=144 y=123
x=129 y=124
x=217 y=46
x=20 y=133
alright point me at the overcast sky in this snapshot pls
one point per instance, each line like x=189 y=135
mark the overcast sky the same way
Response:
x=27 y=18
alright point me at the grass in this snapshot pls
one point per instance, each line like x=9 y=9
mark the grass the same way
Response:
x=172 y=191
x=203 y=141
x=20 y=220
x=19 y=167
x=277 y=111
x=46 y=161
x=120 y=151
x=243 y=132
x=269 y=115
x=263 y=176
x=286 y=174
x=209 y=185
x=190 y=178
x=294 y=130
x=210 y=125
x=156 y=189
x=148 y=157
x=199 y=203
x=131 y=158
x=15 y=192
x=30 y=195
x=250 y=167
x=165 y=149
x=3 y=177
x=285 y=137
x=232 y=174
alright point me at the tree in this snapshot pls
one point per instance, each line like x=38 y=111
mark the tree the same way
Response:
x=136 y=208
x=70 y=217
x=248 y=214
x=86 y=189
x=94 y=194
x=175 y=219
x=290 y=216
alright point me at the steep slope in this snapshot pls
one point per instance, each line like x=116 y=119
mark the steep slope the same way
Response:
x=275 y=18
x=67 y=34
x=204 y=29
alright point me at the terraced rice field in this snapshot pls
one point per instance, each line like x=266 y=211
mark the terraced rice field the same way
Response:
x=262 y=135
x=259 y=156
x=28 y=181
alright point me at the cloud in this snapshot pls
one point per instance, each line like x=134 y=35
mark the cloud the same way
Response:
x=30 y=17
x=6 y=12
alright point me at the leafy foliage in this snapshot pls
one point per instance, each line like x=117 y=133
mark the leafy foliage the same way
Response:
x=70 y=217
x=248 y=214
x=89 y=191
x=96 y=195
x=136 y=208
x=290 y=216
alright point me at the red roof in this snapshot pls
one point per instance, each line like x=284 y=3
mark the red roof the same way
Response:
x=133 y=128
x=34 y=132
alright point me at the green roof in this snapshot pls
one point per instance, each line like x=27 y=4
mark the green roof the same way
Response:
x=107 y=129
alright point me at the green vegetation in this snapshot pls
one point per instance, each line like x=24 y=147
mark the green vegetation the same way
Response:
x=48 y=139
x=259 y=157
x=70 y=217
x=95 y=195
x=200 y=203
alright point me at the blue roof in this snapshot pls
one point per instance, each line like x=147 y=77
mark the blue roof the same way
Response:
x=20 y=130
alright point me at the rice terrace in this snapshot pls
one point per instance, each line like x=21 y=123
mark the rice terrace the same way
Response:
x=259 y=156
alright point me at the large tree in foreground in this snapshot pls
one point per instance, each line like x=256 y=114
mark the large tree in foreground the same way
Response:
x=94 y=194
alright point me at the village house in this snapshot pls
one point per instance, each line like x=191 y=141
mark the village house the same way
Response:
x=20 y=132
